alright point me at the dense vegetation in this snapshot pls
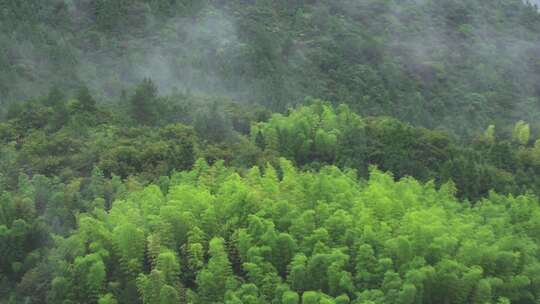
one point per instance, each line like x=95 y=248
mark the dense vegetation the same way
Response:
x=192 y=200
x=458 y=64
x=212 y=236
x=412 y=177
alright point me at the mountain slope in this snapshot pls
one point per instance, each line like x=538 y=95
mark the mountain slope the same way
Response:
x=455 y=64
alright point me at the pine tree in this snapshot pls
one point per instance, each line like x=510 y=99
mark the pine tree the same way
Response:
x=143 y=102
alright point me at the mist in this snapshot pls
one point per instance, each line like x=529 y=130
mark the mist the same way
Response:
x=447 y=64
x=177 y=53
x=433 y=52
x=181 y=54
x=533 y=2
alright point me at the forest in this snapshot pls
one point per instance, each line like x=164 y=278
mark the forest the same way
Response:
x=284 y=152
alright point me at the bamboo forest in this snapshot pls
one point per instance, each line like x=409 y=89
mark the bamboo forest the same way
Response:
x=283 y=152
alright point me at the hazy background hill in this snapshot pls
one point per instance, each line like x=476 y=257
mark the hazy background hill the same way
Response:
x=459 y=64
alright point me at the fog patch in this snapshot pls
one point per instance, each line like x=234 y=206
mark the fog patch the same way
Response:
x=182 y=54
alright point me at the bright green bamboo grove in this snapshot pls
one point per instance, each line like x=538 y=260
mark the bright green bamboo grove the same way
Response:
x=278 y=235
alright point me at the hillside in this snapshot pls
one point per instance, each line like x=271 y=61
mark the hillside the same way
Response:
x=283 y=152
x=456 y=64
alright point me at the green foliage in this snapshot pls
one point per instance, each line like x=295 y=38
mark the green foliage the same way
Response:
x=521 y=133
x=110 y=195
x=107 y=299
x=315 y=134
x=489 y=134
x=126 y=152
x=319 y=134
x=409 y=242
x=141 y=103
x=85 y=101
x=129 y=243
x=431 y=63
x=228 y=234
